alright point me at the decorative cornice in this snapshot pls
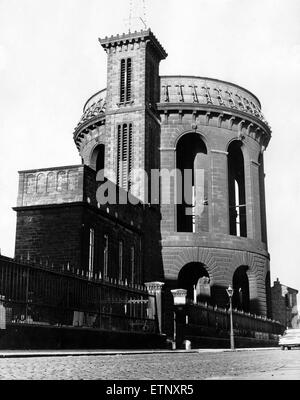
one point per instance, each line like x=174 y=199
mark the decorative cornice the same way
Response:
x=87 y=126
x=188 y=107
x=131 y=38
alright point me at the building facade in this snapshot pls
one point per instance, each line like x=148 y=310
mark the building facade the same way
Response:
x=202 y=228
x=284 y=305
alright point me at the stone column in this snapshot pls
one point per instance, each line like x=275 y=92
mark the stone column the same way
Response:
x=256 y=201
x=2 y=314
x=155 y=289
x=219 y=207
x=168 y=211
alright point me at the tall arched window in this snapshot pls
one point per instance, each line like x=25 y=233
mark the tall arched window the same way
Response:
x=98 y=158
x=241 y=294
x=125 y=155
x=236 y=188
x=192 y=190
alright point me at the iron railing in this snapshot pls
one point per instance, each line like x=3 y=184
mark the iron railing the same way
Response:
x=43 y=296
x=202 y=315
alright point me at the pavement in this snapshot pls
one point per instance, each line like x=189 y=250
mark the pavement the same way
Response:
x=81 y=353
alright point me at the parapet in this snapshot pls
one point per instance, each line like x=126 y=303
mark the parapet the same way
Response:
x=51 y=186
x=134 y=37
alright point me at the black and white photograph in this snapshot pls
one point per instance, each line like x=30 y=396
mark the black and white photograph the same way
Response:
x=149 y=185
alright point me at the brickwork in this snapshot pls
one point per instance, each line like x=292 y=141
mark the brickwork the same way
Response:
x=60 y=236
x=220 y=253
x=54 y=227
x=284 y=305
x=50 y=186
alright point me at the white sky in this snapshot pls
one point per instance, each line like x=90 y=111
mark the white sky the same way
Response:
x=51 y=62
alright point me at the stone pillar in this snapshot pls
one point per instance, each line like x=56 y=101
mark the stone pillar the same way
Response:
x=155 y=288
x=168 y=211
x=250 y=208
x=179 y=299
x=256 y=201
x=2 y=314
x=219 y=207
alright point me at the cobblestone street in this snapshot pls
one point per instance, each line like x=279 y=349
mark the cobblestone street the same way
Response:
x=261 y=364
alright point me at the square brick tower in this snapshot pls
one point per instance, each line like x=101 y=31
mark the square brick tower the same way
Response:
x=133 y=91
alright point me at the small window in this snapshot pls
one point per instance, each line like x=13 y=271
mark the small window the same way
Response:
x=132 y=264
x=91 y=251
x=105 y=256
x=125 y=80
x=125 y=155
x=128 y=82
x=120 y=260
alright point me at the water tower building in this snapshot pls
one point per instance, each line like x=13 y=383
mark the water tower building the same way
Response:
x=204 y=130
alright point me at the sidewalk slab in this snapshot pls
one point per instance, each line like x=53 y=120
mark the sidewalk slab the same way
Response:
x=81 y=353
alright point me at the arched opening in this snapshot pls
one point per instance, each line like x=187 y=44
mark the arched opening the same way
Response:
x=241 y=294
x=98 y=158
x=192 y=162
x=195 y=279
x=236 y=189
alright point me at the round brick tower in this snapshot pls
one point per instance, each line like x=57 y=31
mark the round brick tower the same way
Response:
x=215 y=130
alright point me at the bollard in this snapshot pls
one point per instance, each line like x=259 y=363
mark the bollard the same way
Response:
x=187 y=345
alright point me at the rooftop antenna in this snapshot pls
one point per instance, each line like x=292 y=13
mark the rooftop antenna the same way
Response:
x=137 y=13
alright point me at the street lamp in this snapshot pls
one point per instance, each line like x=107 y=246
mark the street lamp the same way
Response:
x=230 y=294
x=179 y=297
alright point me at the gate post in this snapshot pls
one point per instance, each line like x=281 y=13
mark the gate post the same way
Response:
x=2 y=314
x=155 y=288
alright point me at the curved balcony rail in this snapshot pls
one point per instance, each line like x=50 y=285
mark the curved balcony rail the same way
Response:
x=207 y=91
x=93 y=108
x=188 y=90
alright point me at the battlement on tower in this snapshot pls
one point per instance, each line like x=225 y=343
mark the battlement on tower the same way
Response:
x=134 y=37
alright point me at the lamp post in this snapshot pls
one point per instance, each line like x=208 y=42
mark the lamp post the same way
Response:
x=230 y=294
x=179 y=297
